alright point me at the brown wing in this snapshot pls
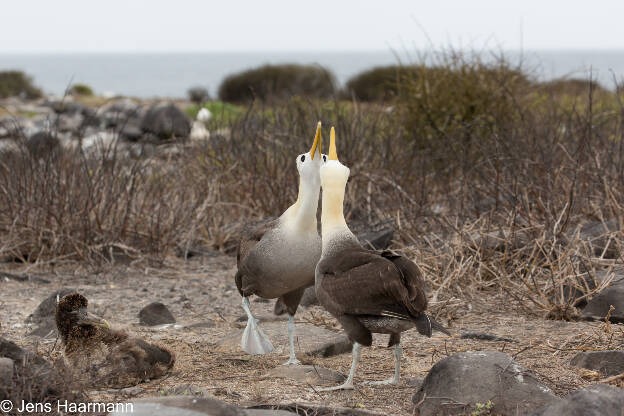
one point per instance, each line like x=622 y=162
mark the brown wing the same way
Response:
x=251 y=235
x=361 y=282
x=412 y=279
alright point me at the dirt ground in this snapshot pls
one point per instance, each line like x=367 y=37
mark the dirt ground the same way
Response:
x=203 y=289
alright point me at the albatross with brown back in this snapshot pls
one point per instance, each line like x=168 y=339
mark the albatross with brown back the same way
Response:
x=367 y=291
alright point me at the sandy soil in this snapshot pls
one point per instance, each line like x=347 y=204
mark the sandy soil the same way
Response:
x=203 y=289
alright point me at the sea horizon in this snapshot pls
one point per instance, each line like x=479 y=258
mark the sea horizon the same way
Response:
x=171 y=74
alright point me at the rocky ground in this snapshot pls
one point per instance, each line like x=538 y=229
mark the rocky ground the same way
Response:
x=201 y=295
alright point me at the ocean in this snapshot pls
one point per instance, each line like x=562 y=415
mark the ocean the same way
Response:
x=148 y=75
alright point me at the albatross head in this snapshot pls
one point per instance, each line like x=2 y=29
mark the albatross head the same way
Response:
x=334 y=175
x=308 y=163
x=72 y=317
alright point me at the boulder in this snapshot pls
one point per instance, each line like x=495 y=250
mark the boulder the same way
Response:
x=599 y=305
x=597 y=400
x=608 y=363
x=192 y=406
x=43 y=316
x=457 y=384
x=309 y=340
x=42 y=143
x=600 y=236
x=156 y=314
x=166 y=121
x=376 y=240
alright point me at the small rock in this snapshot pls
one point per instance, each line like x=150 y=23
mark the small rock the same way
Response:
x=310 y=374
x=6 y=373
x=485 y=337
x=414 y=382
x=376 y=240
x=166 y=121
x=187 y=390
x=309 y=340
x=309 y=297
x=42 y=144
x=182 y=406
x=209 y=323
x=155 y=314
x=457 y=383
x=597 y=400
x=47 y=307
x=598 y=307
x=608 y=363
x=130 y=391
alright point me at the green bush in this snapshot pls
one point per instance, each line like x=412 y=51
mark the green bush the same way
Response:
x=571 y=86
x=378 y=84
x=198 y=95
x=223 y=114
x=461 y=101
x=16 y=83
x=81 y=89
x=278 y=82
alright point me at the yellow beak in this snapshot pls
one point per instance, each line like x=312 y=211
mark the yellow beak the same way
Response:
x=317 y=141
x=333 y=155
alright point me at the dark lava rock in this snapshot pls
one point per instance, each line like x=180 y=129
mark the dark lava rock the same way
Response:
x=597 y=234
x=6 y=373
x=457 y=383
x=166 y=121
x=608 y=363
x=598 y=307
x=376 y=240
x=193 y=406
x=597 y=400
x=156 y=314
x=309 y=297
x=41 y=144
x=47 y=307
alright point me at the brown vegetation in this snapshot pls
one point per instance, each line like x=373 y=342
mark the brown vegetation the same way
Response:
x=485 y=178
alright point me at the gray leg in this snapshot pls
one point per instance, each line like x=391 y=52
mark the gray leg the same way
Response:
x=291 y=340
x=348 y=384
x=398 y=351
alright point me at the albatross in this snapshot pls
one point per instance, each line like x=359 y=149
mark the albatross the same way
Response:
x=107 y=356
x=366 y=291
x=277 y=258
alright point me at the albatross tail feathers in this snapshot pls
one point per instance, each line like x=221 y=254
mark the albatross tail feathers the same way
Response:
x=254 y=340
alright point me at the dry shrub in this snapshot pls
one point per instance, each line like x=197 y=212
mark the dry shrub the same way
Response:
x=486 y=179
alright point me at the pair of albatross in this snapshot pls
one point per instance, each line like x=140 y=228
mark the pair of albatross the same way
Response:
x=366 y=291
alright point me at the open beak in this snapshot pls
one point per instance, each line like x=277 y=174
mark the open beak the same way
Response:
x=317 y=141
x=333 y=155
x=87 y=318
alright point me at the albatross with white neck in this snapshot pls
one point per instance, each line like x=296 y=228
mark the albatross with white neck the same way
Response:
x=277 y=258
x=366 y=291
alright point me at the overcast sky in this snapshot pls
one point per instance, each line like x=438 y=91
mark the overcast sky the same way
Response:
x=293 y=25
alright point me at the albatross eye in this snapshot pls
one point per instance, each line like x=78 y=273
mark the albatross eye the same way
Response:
x=303 y=158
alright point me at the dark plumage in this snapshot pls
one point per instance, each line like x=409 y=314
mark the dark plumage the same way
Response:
x=107 y=357
x=367 y=291
x=373 y=292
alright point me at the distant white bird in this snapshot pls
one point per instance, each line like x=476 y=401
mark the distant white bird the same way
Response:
x=204 y=115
